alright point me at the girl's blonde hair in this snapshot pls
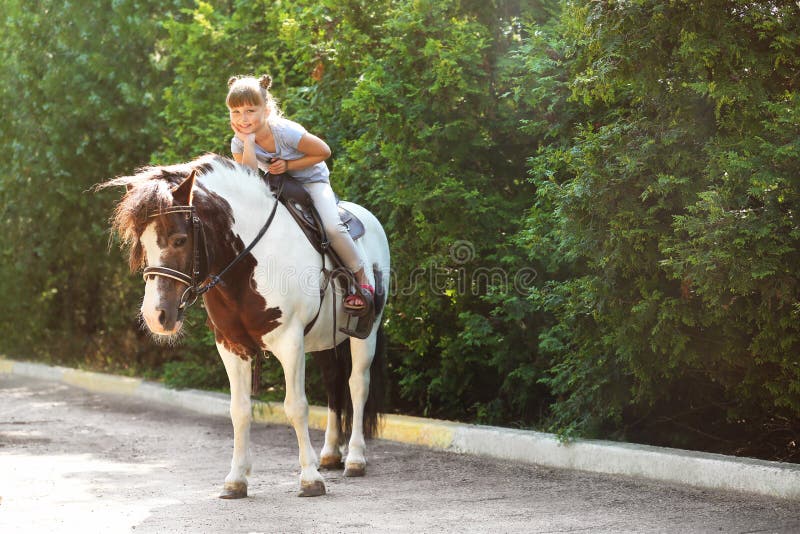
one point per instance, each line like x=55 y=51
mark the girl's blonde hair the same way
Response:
x=249 y=91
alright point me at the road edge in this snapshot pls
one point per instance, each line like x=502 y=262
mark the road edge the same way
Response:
x=704 y=470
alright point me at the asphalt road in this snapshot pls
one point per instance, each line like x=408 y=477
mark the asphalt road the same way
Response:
x=75 y=461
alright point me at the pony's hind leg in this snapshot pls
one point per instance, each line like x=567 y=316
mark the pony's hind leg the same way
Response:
x=363 y=351
x=331 y=454
x=238 y=370
x=289 y=351
x=334 y=376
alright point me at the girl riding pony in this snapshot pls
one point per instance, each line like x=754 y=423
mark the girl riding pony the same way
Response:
x=265 y=140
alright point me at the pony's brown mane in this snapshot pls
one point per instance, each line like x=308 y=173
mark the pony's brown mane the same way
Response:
x=149 y=191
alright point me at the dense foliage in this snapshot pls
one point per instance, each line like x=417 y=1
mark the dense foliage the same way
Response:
x=79 y=86
x=666 y=210
x=591 y=205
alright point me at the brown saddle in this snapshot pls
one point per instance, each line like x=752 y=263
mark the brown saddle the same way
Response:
x=299 y=204
x=301 y=207
x=297 y=200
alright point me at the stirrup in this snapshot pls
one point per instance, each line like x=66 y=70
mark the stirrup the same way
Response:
x=364 y=317
x=366 y=294
x=362 y=328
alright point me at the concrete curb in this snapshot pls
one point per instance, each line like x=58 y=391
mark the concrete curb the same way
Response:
x=712 y=471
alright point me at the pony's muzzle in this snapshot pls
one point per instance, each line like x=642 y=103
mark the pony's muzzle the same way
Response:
x=169 y=318
x=161 y=317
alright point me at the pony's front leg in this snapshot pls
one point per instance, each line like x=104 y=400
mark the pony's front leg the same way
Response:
x=289 y=351
x=363 y=352
x=238 y=370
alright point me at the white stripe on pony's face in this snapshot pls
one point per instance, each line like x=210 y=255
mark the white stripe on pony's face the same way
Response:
x=160 y=305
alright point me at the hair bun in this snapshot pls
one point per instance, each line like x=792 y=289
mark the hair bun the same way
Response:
x=265 y=81
x=232 y=80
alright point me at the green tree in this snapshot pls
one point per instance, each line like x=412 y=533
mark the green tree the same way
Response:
x=439 y=156
x=80 y=100
x=666 y=215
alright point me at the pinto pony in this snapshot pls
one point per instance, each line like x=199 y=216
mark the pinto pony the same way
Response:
x=214 y=228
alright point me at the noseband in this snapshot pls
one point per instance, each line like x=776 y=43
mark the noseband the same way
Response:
x=194 y=289
x=191 y=281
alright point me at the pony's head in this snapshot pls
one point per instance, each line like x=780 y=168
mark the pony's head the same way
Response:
x=167 y=244
x=159 y=233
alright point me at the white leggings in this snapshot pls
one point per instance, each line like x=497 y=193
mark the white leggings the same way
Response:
x=325 y=202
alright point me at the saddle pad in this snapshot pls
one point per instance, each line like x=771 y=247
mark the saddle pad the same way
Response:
x=305 y=218
x=353 y=224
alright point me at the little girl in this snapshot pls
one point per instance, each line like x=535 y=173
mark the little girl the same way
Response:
x=265 y=139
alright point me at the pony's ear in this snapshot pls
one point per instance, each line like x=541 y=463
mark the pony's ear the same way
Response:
x=182 y=193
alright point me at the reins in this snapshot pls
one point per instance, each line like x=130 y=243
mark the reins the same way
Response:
x=194 y=289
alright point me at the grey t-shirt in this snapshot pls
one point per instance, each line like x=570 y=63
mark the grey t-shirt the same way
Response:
x=287 y=135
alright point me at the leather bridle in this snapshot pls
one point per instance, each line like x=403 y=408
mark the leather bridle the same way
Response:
x=192 y=281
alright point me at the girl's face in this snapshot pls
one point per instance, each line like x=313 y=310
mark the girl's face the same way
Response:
x=249 y=118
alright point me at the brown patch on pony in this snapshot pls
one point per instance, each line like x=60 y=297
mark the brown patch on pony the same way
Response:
x=237 y=313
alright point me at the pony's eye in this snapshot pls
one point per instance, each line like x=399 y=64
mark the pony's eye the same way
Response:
x=179 y=242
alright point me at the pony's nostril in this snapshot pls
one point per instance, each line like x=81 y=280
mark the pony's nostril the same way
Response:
x=162 y=317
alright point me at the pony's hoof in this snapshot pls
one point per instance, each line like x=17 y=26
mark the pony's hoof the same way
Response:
x=312 y=489
x=331 y=462
x=234 y=490
x=355 y=470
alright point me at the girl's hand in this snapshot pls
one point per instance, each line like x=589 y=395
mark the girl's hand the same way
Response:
x=243 y=137
x=278 y=166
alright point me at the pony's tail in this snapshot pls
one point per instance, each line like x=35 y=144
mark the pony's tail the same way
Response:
x=335 y=366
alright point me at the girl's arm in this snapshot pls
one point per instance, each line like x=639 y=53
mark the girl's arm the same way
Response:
x=248 y=157
x=249 y=154
x=315 y=150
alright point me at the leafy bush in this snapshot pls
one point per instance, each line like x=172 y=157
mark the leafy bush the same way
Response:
x=664 y=212
x=77 y=109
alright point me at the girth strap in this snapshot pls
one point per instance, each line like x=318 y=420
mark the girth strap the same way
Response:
x=325 y=245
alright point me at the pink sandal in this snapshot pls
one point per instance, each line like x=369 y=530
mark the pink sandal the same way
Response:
x=355 y=301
